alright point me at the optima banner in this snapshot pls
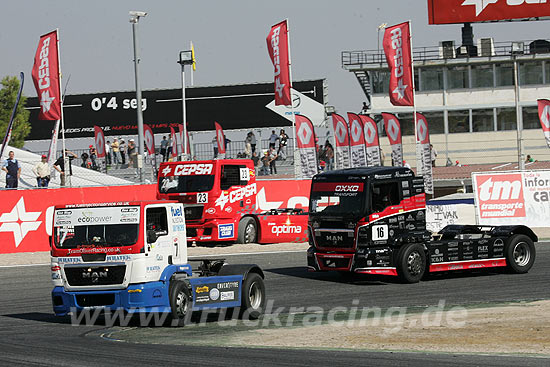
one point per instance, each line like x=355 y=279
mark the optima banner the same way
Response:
x=512 y=197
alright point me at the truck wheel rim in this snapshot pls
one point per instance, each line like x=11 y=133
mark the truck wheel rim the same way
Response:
x=181 y=305
x=414 y=263
x=522 y=254
x=249 y=233
x=255 y=296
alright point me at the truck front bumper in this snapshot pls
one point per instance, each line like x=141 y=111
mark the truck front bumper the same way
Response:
x=363 y=262
x=143 y=297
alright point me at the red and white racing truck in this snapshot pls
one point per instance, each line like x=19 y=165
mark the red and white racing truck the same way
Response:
x=373 y=221
x=219 y=197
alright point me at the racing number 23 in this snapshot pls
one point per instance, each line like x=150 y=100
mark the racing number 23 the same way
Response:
x=380 y=232
x=202 y=197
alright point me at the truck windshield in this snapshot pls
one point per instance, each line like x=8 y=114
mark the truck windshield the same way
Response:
x=338 y=199
x=177 y=184
x=103 y=226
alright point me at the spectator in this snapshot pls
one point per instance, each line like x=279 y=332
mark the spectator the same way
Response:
x=265 y=164
x=529 y=159
x=163 y=148
x=93 y=155
x=215 y=146
x=248 y=145
x=116 y=152
x=406 y=165
x=272 y=159
x=273 y=139
x=169 y=149
x=12 y=167
x=255 y=160
x=132 y=154
x=84 y=156
x=122 y=149
x=227 y=141
x=253 y=141
x=365 y=108
x=321 y=154
x=382 y=157
x=329 y=156
x=59 y=165
x=433 y=154
x=108 y=156
x=42 y=172
x=283 y=141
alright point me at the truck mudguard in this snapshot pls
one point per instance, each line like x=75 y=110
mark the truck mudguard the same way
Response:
x=451 y=231
x=241 y=269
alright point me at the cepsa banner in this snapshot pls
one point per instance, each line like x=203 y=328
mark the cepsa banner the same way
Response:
x=26 y=216
x=512 y=198
x=471 y=11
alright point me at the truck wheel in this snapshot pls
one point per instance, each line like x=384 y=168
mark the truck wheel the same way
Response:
x=411 y=263
x=520 y=254
x=180 y=303
x=253 y=296
x=247 y=230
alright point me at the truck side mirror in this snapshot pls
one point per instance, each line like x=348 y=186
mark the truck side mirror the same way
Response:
x=151 y=236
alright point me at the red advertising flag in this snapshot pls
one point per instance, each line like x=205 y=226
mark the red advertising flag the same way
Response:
x=305 y=134
x=149 y=139
x=220 y=137
x=424 y=152
x=342 y=153
x=544 y=116
x=99 y=142
x=471 y=11
x=277 y=46
x=357 y=141
x=45 y=75
x=371 y=141
x=393 y=131
x=397 y=47
x=174 y=138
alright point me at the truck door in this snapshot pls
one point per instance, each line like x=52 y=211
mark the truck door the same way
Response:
x=158 y=240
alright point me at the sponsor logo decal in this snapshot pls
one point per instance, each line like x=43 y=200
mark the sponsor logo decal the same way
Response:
x=285 y=229
x=214 y=294
x=226 y=231
x=203 y=289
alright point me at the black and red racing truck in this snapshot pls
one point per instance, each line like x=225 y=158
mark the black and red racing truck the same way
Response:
x=372 y=220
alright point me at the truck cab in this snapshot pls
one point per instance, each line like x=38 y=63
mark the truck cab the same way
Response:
x=372 y=220
x=133 y=256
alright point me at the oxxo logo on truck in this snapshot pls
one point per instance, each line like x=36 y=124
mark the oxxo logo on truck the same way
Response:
x=346 y=188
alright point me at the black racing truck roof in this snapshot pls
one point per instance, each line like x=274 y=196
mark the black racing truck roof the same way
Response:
x=377 y=173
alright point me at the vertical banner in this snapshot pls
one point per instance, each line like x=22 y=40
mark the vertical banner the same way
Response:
x=424 y=165
x=45 y=75
x=340 y=129
x=7 y=137
x=52 y=151
x=393 y=131
x=149 y=139
x=544 y=116
x=397 y=47
x=99 y=142
x=357 y=141
x=277 y=46
x=174 y=138
x=371 y=141
x=220 y=138
x=305 y=134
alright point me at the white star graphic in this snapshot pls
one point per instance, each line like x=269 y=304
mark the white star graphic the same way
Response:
x=19 y=222
x=46 y=101
x=479 y=4
x=279 y=87
x=222 y=200
x=400 y=89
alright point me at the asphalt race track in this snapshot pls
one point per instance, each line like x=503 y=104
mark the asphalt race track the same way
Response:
x=31 y=335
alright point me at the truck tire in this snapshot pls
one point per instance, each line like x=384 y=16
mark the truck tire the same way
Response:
x=247 y=230
x=520 y=254
x=180 y=303
x=411 y=263
x=252 y=296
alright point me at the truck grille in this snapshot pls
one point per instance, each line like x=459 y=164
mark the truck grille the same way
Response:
x=193 y=212
x=96 y=275
x=334 y=239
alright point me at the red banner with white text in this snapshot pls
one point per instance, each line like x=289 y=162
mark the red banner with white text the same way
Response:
x=45 y=75
x=393 y=131
x=397 y=47
x=306 y=146
x=99 y=142
x=277 y=46
x=544 y=116
x=26 y=215
x=174 y=138
x=149 y=139
x=424 y=155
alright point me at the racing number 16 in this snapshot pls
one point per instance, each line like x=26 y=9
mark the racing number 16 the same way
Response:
x=380 y=232
x=202 y=197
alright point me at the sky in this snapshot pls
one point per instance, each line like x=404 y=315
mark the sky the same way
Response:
x=228 y=35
